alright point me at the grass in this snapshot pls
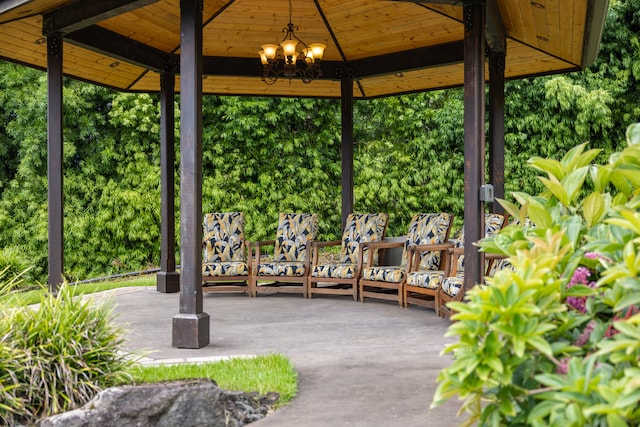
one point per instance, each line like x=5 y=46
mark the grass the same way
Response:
x=268 y=373
x=33 y=296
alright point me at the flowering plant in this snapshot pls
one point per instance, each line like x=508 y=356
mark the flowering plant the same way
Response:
x=556 y=341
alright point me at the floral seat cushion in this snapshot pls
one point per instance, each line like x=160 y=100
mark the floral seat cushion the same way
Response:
x=224 y=252
x=293 y=240
x=390 y=274
x=225 y=269
x=452 y=285
x=359 y=228
x=335 y=271
x=290 y=269
x=430 y=279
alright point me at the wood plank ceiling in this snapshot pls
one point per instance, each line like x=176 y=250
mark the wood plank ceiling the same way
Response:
x=390 y=47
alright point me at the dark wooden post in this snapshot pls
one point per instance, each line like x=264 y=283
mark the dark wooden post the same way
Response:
x=346 y=93
x=55 y=161
x=167 y=279
x=191 y=326
x=474 y=139
x=496 y=127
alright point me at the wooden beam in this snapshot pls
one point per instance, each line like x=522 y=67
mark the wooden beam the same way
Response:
x=167 y=279
x=55 y=161
x=496 y=127
x=425 y=57
x=81 y=14
x=474 y=140
x=98 y=39
x=495 y=32
x=451 y=2
x=346 y=91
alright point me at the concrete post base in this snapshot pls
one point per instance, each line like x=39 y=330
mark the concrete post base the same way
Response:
x=168 y=282
x=190 y=330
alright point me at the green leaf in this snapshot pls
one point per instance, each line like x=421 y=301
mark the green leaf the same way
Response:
x=539 y=215
x=540 y=344
x=615 y=420
x=593 y=208
x=633 y=134
x=572 y=183
x=627 y=300
x=556 y=188
x=552 y=167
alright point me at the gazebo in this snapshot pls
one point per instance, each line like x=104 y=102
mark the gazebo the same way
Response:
x=372 y=48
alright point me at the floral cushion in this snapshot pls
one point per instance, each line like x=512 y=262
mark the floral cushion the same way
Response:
x=492 y=225
x=293 y=239
x=452 y=285
x=358 y=229
x=289 y=269
x=389 y=274
x=223 y=237
x=429 y=279
x=294 y=236
x=225 y=269
x=335 y=271
x=424 y=229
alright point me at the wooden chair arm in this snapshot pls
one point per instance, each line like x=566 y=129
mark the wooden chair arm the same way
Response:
x=416 y=250
x=325 y=244
x=377 y=246
x=317 y=245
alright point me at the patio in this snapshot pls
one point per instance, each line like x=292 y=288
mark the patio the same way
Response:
x=358 y=364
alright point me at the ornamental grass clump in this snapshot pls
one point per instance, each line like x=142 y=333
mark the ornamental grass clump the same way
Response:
x=556 y=341
x=57 y=356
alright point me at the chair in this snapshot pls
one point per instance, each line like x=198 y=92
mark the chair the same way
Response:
x=288 y=272
x=225 y=267
x=386 y=282
x=423 y=286
x=452 y=286
x=342 y=278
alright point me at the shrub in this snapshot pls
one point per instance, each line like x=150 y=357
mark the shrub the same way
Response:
x=57 y=356
x=15 y=264
x=556 y=342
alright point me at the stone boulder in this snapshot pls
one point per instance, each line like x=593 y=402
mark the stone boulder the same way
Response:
x=188 y=403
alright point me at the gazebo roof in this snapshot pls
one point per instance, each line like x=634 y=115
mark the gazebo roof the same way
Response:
x=389 y=47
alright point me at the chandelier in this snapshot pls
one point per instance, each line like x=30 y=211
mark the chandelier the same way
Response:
x=292 y=58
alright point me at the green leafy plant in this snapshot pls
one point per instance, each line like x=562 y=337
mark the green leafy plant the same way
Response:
x=56 y=356
x=556 y=341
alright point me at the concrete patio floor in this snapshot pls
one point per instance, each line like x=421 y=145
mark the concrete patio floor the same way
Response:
x=372 y=364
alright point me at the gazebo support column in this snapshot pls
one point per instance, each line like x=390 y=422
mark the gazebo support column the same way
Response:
x=55 y=161
x=191 y=326
x=346 y=92
x=496 y=127
x=474 y=139
x=167 y=279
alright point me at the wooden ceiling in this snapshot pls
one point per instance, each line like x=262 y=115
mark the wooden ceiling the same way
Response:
x=391 y=47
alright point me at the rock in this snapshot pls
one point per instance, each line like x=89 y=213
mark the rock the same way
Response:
x=189 y=403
